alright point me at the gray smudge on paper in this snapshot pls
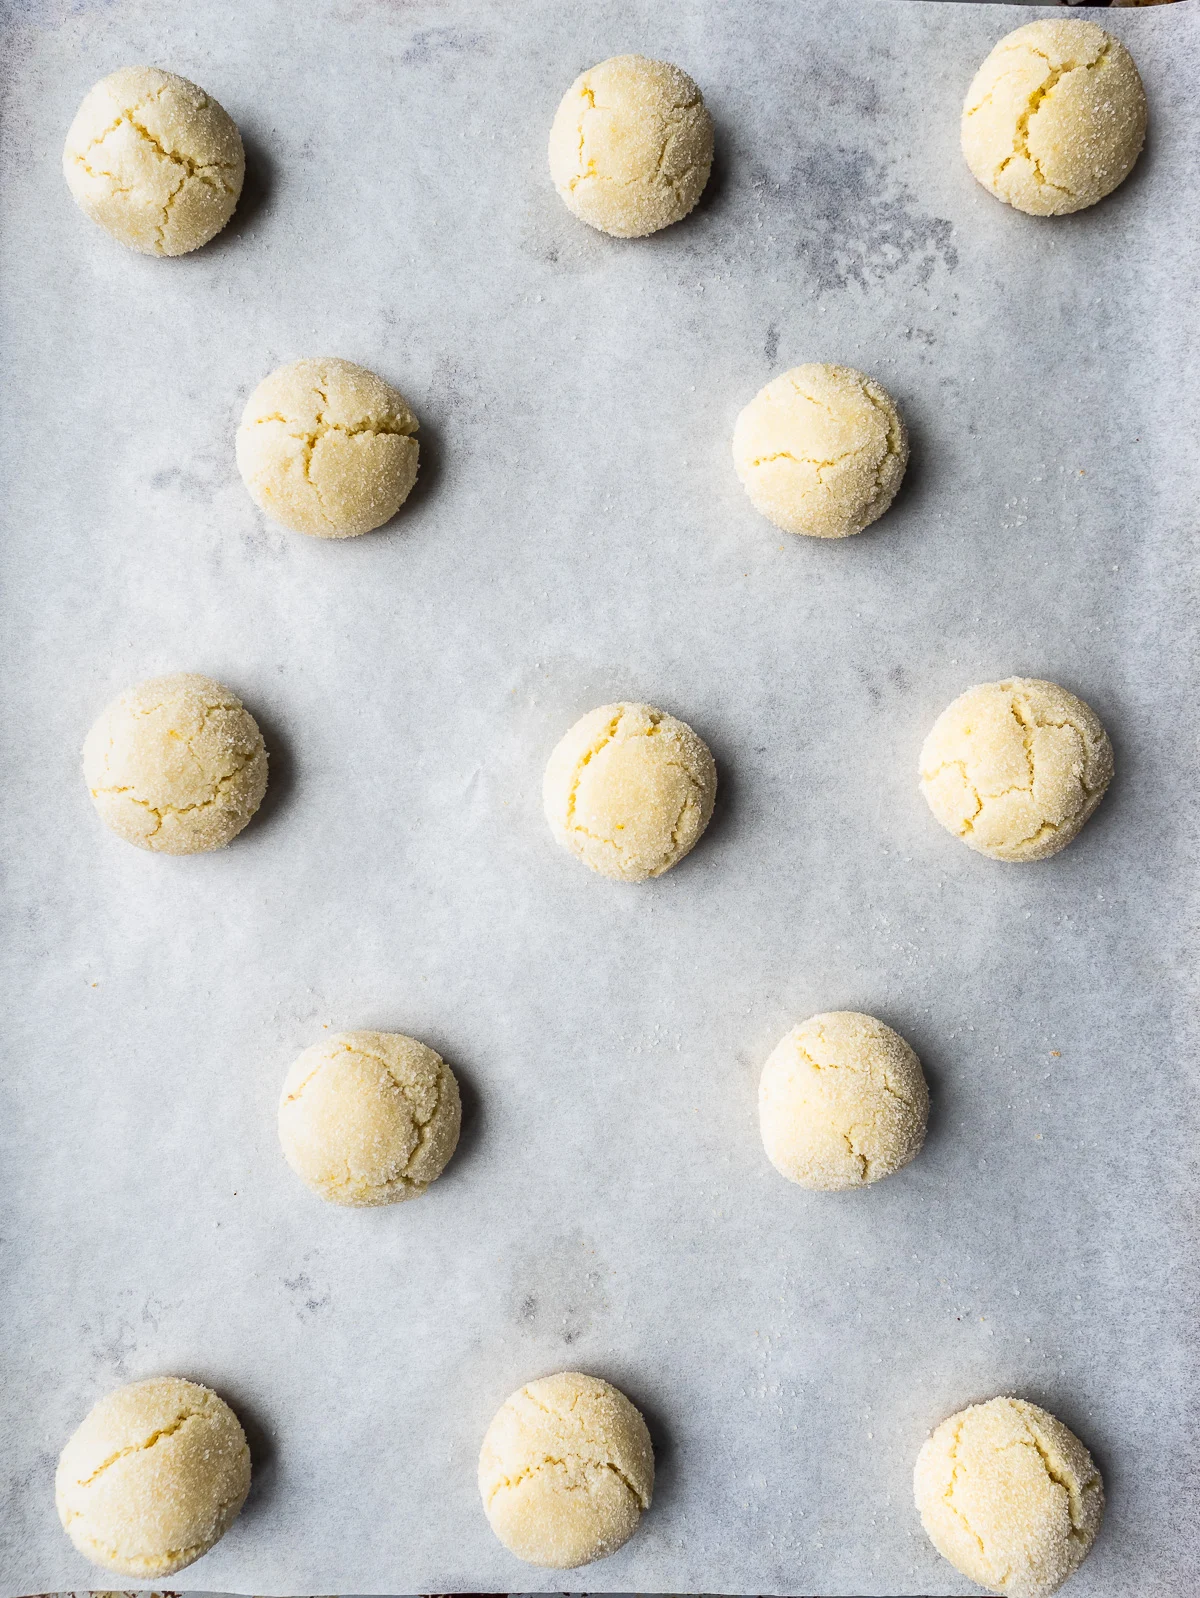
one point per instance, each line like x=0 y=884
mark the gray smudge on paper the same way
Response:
x=558 y=1291
x=111 y=1342
x=855 y=222
x=438 y=44
x=197 y=486
x=307 y=1299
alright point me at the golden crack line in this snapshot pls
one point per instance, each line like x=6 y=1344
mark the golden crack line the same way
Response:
x=138 y=105
x=1057 y=1474
x=137 y=1448
x=808 y=460
x=609 y=735
x=863 y=1163
x=948 y=1495
x=192 y=167
x=894 y=434
x=160 y=811
x=1034 y=105
x=565 y=1464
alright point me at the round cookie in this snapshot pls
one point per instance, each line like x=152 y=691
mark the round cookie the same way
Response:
x=369 y=1117
x=1009 y=1496
x=1055 y=117
x=842 y=1102
x=1015 y=768
x=326 y=447
x=821 y=450
x=565 y=1471
x=154 y=160
x=629 y=790
x=631 y=146
x=154 y=1477
x=176 y=764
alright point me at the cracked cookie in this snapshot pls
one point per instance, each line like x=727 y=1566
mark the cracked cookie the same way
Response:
x=629 y=790
x=631 y=146
x=154 y=160
x=1009 y=1496
x=842 y=1102
x=565 y=1471
x=821 y=450
x=369 y=1117
x=155 y=1475
x=176 y=765
x=1055 y=117
x=1015 y=768
x=326 y=447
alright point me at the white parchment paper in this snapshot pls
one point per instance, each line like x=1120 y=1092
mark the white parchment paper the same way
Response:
x=578 y=535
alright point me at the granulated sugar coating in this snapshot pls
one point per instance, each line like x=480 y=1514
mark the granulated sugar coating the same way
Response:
x=821 y=450
x=629 y=790
x=842 y=1102
x=326 y=447
x=631 y=146
x=566 y=1470
x=1015 y=768
x=176 y=764
x=154 y=1476
x=369 y=1117
x=1055 y=117
x=1009 y=1496
x=154 y=160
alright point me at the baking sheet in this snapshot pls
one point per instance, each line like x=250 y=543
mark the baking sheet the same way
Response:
x=578 y=535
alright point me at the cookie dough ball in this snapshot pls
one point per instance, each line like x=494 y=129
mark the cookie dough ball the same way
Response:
x=369 y=1117
x=1009 y=1496
x=153 y=1478
x=631 y=146
x=565 y=1471
x=154 y=160
x=1015 y=768
x=326 y=447
x=1055 y=118
x=821 y=450
x=629 y=790
x=842 y=1102
x=177 y=764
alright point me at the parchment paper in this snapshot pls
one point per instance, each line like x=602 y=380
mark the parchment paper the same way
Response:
x=578 y=535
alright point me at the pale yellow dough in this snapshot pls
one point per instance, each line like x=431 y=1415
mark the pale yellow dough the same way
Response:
x=369 y=1117
x=565 y=1471
x=154 y=1476
x=1009 y=1496
x=1055 y=117
x=154 y=160
x=326 y=447
x=631 y=146
x=629 y=790
x=176 y=764
x=1015 y=768
x=821 y=450
x=842 y=1102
